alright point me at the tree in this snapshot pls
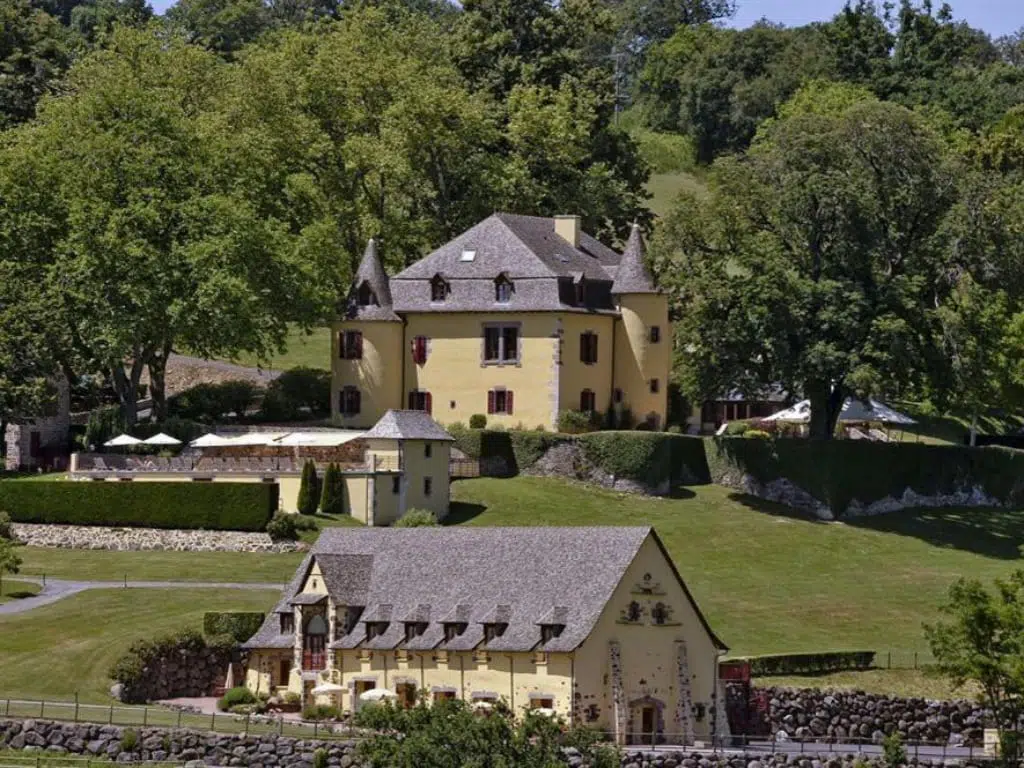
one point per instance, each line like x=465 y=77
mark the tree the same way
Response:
x=982 y=642
x=417 y=518
x=332 y=498
x=35 y=50
x=814 y=261
x=309 y=489
x=10 y=562
x=224 y=26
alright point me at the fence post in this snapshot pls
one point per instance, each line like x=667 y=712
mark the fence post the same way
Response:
x=915 y=659
x=111 y=720
x=126 y=581
x=76 y=706
x=315 y=724
x=888 y=664
x=247 y=715
x=7 y=709
x=145 y=716
x=42 y=708
x=179 y=718
x=213 y=720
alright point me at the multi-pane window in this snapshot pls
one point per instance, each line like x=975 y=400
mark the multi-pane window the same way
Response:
x=428 y=450
x=420 y=401
x=492 y=631
x=287 y=623
x=439 y=289
x=588 y=401
x=617 y=395
x=588 y=347
x=655 y=386
x=350 y=345
x=428 y=486
x=396 y=484
x=501 y=344
x=453 y=629
x=503 y=290
x=414 y=629
x=655 y=334
x=349 y=401
x=500 y=401
x=419 y=350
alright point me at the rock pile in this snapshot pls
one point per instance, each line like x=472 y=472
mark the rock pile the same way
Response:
x=814 y=715
x=98 y=537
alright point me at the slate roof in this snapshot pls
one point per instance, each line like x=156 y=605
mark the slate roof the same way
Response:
x=371 y=271
x=632 y=276
x=526 y=250
x=519 y=576
x=408 y=425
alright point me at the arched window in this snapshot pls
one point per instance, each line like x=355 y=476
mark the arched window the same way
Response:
x=633 y=611
x=366 y=296
x=659 y=613
x=439 y=289
x=316 y=626
x=503 y=289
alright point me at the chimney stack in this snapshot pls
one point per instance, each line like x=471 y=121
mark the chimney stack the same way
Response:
x=568 y=228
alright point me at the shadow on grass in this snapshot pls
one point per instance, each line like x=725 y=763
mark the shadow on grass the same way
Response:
x=681 y=492
x=995 y=533
x=462 y=511
x=773 y=508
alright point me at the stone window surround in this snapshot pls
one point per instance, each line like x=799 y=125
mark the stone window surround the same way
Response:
x=518 y=362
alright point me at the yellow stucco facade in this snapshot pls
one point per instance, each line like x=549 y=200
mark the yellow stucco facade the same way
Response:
x=373 y=374
x=642 y=364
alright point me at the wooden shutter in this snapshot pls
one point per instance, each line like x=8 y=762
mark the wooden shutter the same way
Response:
x=358 y=339
x=357 y=402
x=421 y=350
x=583 y=400
x=428 y=402
x=593 y=347
x=584 y=348
x=490 y=401
x=412 y=401
x=341 y=344
x=508 y=401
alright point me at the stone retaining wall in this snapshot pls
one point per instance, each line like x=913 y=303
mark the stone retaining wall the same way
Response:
x=269 y=751
x=99 y=537
x=808 y=714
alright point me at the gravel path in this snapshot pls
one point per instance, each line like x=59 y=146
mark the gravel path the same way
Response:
x=58 y=589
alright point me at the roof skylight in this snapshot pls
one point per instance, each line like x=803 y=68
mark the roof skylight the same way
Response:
x=467 y=255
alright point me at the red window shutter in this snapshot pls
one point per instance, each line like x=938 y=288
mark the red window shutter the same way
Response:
x=593 y=347
x=358 y=345
x=341 y=344
x=508 y=401
x=428 y=402
x=357 y=402
x=490 y=401
x=421 y=350
x=584 y=350
x=583 y=400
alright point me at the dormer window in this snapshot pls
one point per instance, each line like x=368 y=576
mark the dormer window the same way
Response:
x=549 y=632
x=375 y=629
x=581 y=292
x=414 y=629
x=439 y=289
x=351 y=619
x=366 y=296
x=503 y=289
x=453 y=629
x=493 y=631
x=287 y=623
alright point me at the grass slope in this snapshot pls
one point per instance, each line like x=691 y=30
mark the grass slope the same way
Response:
x=665 y=187
x=11 y=589
x=309 y=350
x=771 y=580
x=70 y=645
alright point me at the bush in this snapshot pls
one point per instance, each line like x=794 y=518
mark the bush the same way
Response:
x=321 y=712
x=651 y=458
x=103 y=424
x=298 y=392
x=291 y=698
x=306 y=523
x=5 y=527
x=212 y=402
x=309 y=490
x=206 y=506
x=809 y=663
x=477 y=421
x=332 y=498
x=239 y=625
x=142 y=656
x=417 y=518
x=737 y=428
x=577 y=422
x=757 y=434
x=320 y=758
x=129 y=740
x=236 y=697
x=282 y=528
x=894 y=754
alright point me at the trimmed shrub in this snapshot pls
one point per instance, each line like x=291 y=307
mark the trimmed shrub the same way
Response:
x=332 y=498
x=651 y=458
x=309 y=490
x=5 y=527
x=236 y=697
x=809 y=663
x=282 y=528
x=306 y=523
x=239 y=625
x=839 y=472
x=477 y=421
x=578 y=422
x=298 y=392
x=417 y=518
x=207 y=506
x=321 y=712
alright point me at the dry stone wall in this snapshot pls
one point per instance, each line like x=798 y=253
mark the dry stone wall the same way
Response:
x=146 y=539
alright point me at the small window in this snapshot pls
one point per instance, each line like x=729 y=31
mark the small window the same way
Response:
x=659 y=613
x=467 y=255
x=500 y=401
x=420 y=401
x=287 y=623
x=350 y=345
x=549 y=632
x=493 y=631
x=349 y=401
x=617 y=395
x=428 y=485
x=419 y=350
x=501 y=344
x=655 y=386
x=541 y=703
x=284 y=671
x=439 y=289
x=366 y=296
x=428 y=450
x=655 y=334
x=588 y=401
x=453 y=630
x=588 y=347
x=414 y=629
x=503 y=290
x=375 y=629
x=581 y=292
x=396 y=484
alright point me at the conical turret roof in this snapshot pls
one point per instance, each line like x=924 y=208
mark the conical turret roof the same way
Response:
x=632 y=275
x=371 y=277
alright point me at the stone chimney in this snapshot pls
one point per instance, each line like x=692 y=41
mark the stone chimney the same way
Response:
x=568 y=228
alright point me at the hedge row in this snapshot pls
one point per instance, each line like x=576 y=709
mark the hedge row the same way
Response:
x=839 y=472
x=809 y=663
x=647 y=457
x=241 y=625
x=207 y=506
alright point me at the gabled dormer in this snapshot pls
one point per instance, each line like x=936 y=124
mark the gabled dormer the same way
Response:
x=370 y=296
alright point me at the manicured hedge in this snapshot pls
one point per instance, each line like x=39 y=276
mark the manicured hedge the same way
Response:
x=241 y=625
x=837 y=472
x=518 y=448
x=648 y=457
x=209 y=506
x=809 y=663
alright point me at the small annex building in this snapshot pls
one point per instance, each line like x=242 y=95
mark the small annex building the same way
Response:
x=594 y=623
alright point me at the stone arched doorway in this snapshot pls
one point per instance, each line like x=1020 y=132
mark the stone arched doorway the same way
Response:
x=646 y=721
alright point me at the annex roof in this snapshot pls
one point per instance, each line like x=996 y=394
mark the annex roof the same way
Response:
x=408 y=425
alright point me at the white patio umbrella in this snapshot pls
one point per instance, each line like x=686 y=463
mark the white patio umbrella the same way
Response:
x=122 y=441
x=209 y=441
x=545 y=711
x=328 y=688
x=162 y=439
x=377 y=694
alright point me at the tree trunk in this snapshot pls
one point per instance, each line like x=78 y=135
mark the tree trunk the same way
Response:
x=157 y=383
x=974 y=428
x=126 y=386
x=826 y=405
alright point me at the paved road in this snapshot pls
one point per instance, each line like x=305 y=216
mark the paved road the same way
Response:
x=58 y=589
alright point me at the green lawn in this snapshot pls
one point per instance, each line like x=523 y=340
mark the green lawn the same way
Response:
x=898 y=682
x=70 y=645
x=12 y=589
x=952 y=427
x=309 y=350
x=665 y=187
x=771 y=580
